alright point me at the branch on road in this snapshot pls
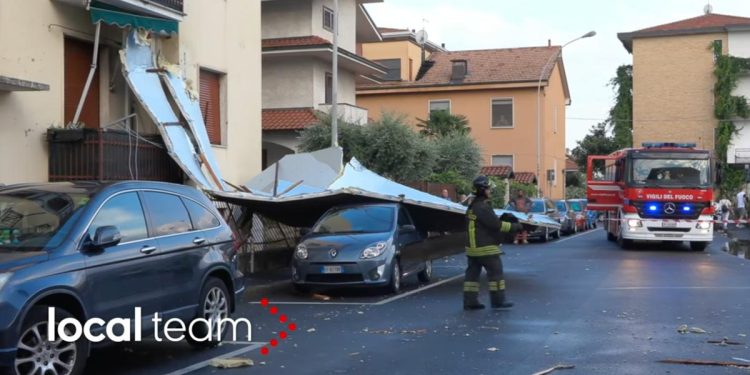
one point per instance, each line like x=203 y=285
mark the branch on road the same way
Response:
x=551 y=369
x=705 y=363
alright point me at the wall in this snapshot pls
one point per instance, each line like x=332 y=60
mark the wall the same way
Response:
x=289 y=82
x=672 y=89
x=519 y=141
x=553 y=134
x=285 y=18
x=346 y=86
x=404 y=50
x=347 y=22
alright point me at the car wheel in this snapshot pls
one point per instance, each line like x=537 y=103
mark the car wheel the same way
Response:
x=556 y=235
x=36 y=354
x=426 y=274
x=624 y=243
x=698 y=246
x=214 y=305
x=395 y=285
x=545 y=236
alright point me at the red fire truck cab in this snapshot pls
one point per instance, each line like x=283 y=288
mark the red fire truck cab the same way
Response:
x=659 y=192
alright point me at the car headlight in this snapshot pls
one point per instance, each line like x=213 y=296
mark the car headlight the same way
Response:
x=374 y=250
x=633 y=223
x=700 y=225
x=301 y=252
x=4 y=277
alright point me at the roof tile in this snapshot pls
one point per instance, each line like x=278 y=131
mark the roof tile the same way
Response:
x=296 y=41
x=705 y=21
x=288 y=118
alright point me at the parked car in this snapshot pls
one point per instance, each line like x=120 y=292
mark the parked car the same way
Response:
x=545 y=206
x=567 y=217
x=100 y=250
x=578 y=206
x=361 y=245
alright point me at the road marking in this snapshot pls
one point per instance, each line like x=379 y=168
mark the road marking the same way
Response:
x=205 y=363
x=399 y=296
x=676 y=287
x=313 y=303
x=576 y=236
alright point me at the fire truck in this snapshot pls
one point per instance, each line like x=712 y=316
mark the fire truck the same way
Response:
x=658 y=192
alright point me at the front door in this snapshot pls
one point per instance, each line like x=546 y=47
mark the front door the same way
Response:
x=602 y=188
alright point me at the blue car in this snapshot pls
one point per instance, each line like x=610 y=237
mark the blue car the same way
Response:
x=101 y=250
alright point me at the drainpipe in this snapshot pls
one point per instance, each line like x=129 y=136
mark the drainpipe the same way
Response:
x=90 y=78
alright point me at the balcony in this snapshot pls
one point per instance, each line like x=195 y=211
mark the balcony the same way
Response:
x=99 y=155
x=348 y=112
x=169 y=9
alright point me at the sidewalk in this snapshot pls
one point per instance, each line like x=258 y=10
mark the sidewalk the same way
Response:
x=738 y=241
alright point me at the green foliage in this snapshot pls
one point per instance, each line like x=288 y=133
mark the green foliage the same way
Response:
x=317 y=137
x=727 y=70
x=597 y=142
x=575 y=192
x=575 y=179
x=458 y=153
x=462 y=184
x=528 y=189
x=498 y=193
x=621 y=114
x=442 y=124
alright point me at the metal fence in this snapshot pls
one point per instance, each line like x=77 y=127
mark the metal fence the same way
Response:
x=172 y=4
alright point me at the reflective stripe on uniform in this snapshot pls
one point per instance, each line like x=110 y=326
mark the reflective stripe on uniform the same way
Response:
x=505 y=226
x=482 y=251
x=471 y=286
x=472 y=229
x=493 y=286
x=501 y=285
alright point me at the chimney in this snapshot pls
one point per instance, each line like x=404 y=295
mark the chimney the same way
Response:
x=460 y=70
x=442 y=45
x=549 y=42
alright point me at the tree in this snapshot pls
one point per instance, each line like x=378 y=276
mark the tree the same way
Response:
x=597 y=142
x=458 y=153
x=621 y=114
x=443 y=123
x=318 y=136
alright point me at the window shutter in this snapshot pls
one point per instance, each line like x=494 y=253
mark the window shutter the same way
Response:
x=210 y=102
x=77 y=66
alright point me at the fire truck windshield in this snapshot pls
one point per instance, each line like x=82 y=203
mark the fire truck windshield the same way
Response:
x=668 y=172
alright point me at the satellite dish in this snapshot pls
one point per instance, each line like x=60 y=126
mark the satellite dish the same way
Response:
x=708 y=9
x=421 y=37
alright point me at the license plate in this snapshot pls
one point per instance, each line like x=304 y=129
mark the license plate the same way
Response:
x=668 y=224
x=332 y=269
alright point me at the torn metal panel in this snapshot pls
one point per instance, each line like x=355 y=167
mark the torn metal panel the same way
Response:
x=351 y=185
x=141 y=74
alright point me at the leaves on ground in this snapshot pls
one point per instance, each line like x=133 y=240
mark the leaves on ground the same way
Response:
x=231 y=362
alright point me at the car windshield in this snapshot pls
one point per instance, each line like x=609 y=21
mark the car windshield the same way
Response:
x=575 y=206
x=561 y=206
x=370 y=219
x=655 y=172
x=34 y=219
x=538 y=206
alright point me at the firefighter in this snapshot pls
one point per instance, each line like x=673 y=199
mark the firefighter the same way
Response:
x=483 y=250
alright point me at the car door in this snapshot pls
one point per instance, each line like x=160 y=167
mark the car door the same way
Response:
x=408 y=240
x=125 y=276
x=182 y=250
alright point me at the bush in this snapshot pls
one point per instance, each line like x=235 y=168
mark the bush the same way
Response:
x=528 y=189
x=318 y=136
x=458 y=153
x=463 y=185
x=443 y=124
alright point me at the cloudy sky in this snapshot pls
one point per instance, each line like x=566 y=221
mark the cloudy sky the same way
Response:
x=590 y=63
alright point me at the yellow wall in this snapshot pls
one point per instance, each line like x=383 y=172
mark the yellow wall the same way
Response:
x=520 y=141
x=672 y=89
x=404 y=50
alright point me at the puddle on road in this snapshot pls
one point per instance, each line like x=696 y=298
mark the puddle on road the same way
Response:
x=739 y=248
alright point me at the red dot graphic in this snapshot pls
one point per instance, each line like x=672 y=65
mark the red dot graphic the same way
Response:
x=273 y=310
x=274 y=342
x=282 y=318
x=264 y=350
x=282 y=335
x=292 y=326
x=264 y=302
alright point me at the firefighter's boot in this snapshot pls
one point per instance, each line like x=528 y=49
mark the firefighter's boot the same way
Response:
x=471 y=301
x=497 y=295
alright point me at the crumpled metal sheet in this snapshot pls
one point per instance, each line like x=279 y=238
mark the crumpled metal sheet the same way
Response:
x=143 y=78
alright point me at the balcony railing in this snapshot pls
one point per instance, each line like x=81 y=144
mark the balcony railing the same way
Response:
x=99 y=155
x=348 y=112
x=171 y=4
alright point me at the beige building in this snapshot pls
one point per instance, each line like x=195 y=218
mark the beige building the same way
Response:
x=673 y=78
x=496 y=90
x=46 y=50
x=297 y=67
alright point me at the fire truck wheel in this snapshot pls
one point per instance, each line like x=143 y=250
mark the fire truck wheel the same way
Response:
x=610 y=237
x=698 y=246
x=624 y=243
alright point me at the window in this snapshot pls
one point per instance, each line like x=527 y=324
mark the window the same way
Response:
x=200 y=216
x=502 y=113
x=328 y=19
x=392 y=69
x=167 y=213
x=329 y=88
x=210 y=102
x=502 y=160
x=440 y=105
x=124 y=211
x=366 y=219
x=403 y=218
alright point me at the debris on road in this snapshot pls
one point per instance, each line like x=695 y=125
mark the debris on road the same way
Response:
x=492 y=349
x=741 y=359
x=697 y=330
x=683 y=329
x=551 y=369
x=311 y=330
x=724 y=342
x=231 y=362
x=413 y=331
x=705 y=363
x=321 y=297
x=354 y=354
x=488 y=328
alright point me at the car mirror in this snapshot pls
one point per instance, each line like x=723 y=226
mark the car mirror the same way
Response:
x=407 y=228
x=106 y=236
x=551 y=210
x=304 y=231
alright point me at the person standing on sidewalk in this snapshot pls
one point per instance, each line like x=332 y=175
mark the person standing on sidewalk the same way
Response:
x=725 y=208
x=741 y=210
x=484 y=233
x=522 y=204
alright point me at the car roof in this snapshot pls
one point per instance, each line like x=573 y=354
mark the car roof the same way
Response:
x=94 y=187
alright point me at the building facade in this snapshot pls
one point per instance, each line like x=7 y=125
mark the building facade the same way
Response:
x=46 y=50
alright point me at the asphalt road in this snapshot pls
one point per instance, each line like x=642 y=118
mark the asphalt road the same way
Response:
x=580 y=301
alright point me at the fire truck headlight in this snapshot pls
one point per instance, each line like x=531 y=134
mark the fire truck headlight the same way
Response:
x=634 y=223
x=703 y=225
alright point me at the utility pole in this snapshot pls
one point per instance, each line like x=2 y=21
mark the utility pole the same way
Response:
x=335 y=77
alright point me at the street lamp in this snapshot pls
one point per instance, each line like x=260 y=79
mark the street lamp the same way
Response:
x=539 y=113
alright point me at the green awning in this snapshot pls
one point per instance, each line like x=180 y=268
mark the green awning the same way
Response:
x=122 y=19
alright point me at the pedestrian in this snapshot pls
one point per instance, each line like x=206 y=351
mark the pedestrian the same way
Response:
x=484 y=235
x=445 y=195
x=725 y=208
x=522 y=204
x=463 y=199
x=741 y=211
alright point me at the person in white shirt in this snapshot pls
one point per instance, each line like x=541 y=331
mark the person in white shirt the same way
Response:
x=741 y=211
x=724 y=208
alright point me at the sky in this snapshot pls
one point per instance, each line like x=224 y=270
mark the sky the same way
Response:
x=589 y=63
